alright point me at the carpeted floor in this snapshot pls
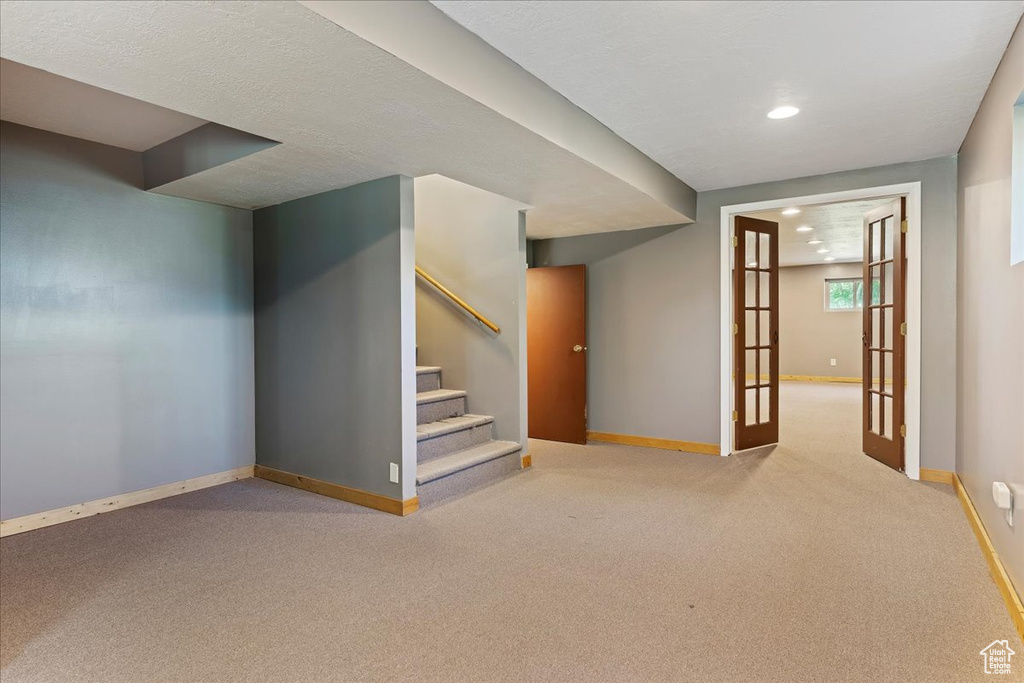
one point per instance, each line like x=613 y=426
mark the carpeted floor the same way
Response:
x=603 y=563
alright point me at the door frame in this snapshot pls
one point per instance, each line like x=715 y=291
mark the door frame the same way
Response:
x=912 y=191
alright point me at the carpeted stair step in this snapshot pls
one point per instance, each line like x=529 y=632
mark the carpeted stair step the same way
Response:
x=439 y=404
x=428 y=378
x=437 y=439
x=465 y=470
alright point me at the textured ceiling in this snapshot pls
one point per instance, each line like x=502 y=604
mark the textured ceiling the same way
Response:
x=428 y=39
x=43 y=100
x=689 y=83
x=344 y=110
x=840 y=227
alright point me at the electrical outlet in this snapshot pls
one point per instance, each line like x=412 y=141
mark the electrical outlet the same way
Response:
x=394 y=473
x=832 y=362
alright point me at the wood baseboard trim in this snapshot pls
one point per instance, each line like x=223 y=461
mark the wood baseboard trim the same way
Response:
x=937 y=476
x=995 y=565
x=650 y=442
x=39 y=520
x=526 y=461
x=348 y=494
x=815 y=378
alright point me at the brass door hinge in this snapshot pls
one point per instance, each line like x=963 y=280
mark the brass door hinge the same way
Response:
x=903 y=225
x=735 y=416
x=903 y=431
x=735 y=328
x=735 y=241
x=903 y=329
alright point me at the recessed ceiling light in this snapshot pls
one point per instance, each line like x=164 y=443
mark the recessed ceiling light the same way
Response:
x=804 y=228
x=830 y=258
x=823 y=251
x=790 y=212
x=783 y=112
x=813 y=241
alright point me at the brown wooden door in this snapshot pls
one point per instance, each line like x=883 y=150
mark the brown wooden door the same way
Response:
x=756 y=332
x=883 y=293
x=556 y=348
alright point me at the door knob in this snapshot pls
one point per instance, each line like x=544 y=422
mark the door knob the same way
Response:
x=578 y=348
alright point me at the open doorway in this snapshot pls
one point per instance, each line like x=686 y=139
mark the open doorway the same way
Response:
x=808 y=319
x=840 y=317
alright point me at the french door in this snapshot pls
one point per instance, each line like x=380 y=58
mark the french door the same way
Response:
x=884 y=340
x=756 y=332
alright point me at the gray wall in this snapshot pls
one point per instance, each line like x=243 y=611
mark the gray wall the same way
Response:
x=331 y=399
x=809 y=334
x=474 y=243
x=654 y=312
x=990 y=300
x=126 y=330
x=198 y=150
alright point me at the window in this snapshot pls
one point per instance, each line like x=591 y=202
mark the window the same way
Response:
x=1017 y=185
x=847 y=294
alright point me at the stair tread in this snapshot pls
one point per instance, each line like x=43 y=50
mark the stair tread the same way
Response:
x=438 y=395
x=427 y=369
x=450 y=424
x=464 y=459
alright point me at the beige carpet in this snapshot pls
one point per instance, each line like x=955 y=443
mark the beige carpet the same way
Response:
x=602 y=563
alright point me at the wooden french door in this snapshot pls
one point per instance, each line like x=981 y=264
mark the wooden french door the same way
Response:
x=756 y=332
x=556 y=353
x=884 y=294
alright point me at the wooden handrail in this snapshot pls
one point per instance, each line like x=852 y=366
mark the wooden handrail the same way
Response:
x=451 y=295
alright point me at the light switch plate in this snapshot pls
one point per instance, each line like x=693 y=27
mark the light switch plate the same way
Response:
x=394 y=473
x=832 y=362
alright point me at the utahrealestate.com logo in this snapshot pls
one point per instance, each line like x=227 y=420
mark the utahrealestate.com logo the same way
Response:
x=997 y=657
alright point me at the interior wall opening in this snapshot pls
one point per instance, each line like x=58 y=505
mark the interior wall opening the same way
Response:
x=819 y=346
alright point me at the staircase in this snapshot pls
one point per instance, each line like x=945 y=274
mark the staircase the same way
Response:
x=455 y=451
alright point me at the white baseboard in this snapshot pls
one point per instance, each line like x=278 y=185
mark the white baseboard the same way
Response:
x=17 y=525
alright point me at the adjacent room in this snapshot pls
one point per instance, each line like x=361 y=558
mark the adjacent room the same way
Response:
x=511 y=341
x=809 y=335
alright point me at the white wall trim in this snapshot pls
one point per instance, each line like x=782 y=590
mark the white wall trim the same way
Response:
x=17 y=525
x=407 y=313
x=912 y=191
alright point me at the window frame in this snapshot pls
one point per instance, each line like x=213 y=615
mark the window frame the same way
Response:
x=857 y=282
x=1017 y=184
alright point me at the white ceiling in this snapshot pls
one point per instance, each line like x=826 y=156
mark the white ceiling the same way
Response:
x=689 y=83
x=840 y=227
x=43 y=100
x=344 y=110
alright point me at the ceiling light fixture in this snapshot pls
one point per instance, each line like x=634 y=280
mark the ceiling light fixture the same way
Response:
x=783 y=112
x=813 y=241
x=804 y=228
x=823 y=251
x=790 y=212
x=830 y=258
